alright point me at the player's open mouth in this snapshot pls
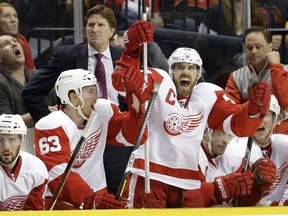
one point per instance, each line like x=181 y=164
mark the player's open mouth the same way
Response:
x=261 y=129
x=184 y=82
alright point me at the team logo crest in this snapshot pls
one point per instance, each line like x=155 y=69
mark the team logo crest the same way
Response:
x=280 y=173
x=175 y=124
x=88 y=148
x=15 y=203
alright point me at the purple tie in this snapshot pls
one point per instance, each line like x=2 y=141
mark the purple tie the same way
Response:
x=100 y=74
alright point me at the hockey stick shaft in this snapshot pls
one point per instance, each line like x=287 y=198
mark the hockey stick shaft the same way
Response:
x=145 y=68
x=253 y=82
x=247 y=154
x=68 y=168
x=246 y=161
x=138 y=141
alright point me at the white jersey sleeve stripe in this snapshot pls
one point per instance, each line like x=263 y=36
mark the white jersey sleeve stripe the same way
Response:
x=56 y=171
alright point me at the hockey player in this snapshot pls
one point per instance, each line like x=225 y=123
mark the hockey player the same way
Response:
x=175 y=133
x=57 y=134
x=215 y=161
x=272 y=147
x=23 y=176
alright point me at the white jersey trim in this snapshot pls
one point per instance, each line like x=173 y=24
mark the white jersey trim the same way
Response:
x=56 y=171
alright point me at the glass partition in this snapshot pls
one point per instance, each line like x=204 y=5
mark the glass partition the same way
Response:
x=213 y=27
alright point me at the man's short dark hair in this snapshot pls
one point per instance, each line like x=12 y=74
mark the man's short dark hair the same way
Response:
x=267 y=35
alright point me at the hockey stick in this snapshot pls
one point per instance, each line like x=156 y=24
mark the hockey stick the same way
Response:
x=84 y=135
x=253 y=81
x=247 y=154
x=145 y=66
x=138 y=141
x=246 y=161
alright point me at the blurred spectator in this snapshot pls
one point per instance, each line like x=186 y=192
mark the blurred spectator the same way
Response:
x=9 y=25
x=274 y=14
x=13 y=77
x=184 y=15
x=226 y=18
x=43 y=13
x=129 y=11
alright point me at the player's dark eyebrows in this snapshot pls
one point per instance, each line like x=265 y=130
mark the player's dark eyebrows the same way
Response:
x=193 y=66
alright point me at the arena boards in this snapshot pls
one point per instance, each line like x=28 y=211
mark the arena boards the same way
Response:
x=251 y=211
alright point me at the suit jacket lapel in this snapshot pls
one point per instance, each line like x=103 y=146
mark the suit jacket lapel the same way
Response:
x=82 y=58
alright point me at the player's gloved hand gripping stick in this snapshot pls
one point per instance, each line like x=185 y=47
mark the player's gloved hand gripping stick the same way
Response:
x=258 y=96
x=138 y=142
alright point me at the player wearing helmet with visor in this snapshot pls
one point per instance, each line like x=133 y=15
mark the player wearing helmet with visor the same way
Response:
x=265 y=130
x=185 y=67
x=178 y=119
x=216 y=141
x=23 y=175
x=80 y=93
x=12 y=136
x=57 y=135
x=268 y=148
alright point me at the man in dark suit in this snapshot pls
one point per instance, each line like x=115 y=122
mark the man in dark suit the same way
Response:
x=100 y=24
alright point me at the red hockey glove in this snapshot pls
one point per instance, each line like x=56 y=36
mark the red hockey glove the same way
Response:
x=193 y=198
x=136 y=35
x=265 y=174
x=131 y=80
x=264 y=171
x=126 y=61
x=134 y=83
x=233 y=185
x=89 y=200
x=108 y=201
x=124 y=64
x=259 y=98
x=118 y=78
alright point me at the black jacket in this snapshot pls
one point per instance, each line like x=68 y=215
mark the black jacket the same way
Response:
x=63 y=58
